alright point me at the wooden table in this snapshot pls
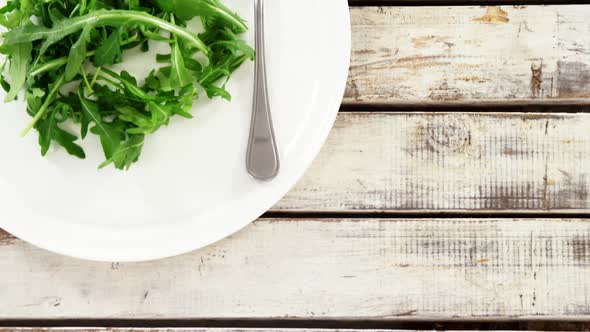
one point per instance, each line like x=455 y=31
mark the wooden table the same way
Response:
x=454 y=187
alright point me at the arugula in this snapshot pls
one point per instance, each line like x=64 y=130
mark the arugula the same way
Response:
x=210 y=11
x=99 y=18
x=19 y=67
x=53 y=45
x=109 y=51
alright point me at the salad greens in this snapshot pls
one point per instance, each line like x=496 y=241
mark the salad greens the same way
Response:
x=54 y=45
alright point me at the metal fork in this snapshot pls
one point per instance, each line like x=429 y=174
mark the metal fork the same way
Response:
x=263 y=157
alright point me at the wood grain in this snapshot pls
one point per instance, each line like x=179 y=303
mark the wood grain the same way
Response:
x=470 y=55
x=477 y=162
x=387 y=269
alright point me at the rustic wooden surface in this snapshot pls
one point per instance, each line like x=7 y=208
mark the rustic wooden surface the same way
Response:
x=387 y=269
x=470 y=55
x=493 y=161
x=480 y=162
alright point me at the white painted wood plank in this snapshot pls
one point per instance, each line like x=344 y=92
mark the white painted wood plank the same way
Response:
x=441 y=55
x=519 y=162
x=358 y=269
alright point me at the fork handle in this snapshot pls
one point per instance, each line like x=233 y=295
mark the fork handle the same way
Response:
x=263 y=157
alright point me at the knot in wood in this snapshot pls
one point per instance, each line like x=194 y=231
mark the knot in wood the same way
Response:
x=448 y=133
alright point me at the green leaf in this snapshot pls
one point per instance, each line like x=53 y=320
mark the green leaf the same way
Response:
x=66 y=140
x=130 y=84
x=78 y=54
x=193 y=65
x=4 y=83
x=160 y=113
x=109 y=51
x=48 y=42
x=180 y=76
x=211 y=10
x=236 y=47
x=127 y=153
x=219 y=71
x=107 y=98
x=152 y=83
x=163 y=58
x=139 y=119
x=20 y=58
x=50 y=131
x=40 y=113
x=163 y=75
x=99 y=18
x=26 y=7
x=10 y=17
x=83 y=4
x=46 y=129
x=110 y=136
x=34 y=99
x=187 y=98
x=215 y=91
x=55 y=16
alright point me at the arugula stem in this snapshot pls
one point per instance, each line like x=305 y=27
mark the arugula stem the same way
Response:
x=131 y=39
x=103 y=17
x=129 y=86
x=57 y=63
x=226 y=13
x=105 y=163
x=214 y=76
x=57 y=85
x=48 y=66
x=74 y=11
x=110 y=81
x=95 y=77
x=86 y=78
x=110 y=160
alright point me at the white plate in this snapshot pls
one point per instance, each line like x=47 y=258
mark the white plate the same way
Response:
x=190 y=187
